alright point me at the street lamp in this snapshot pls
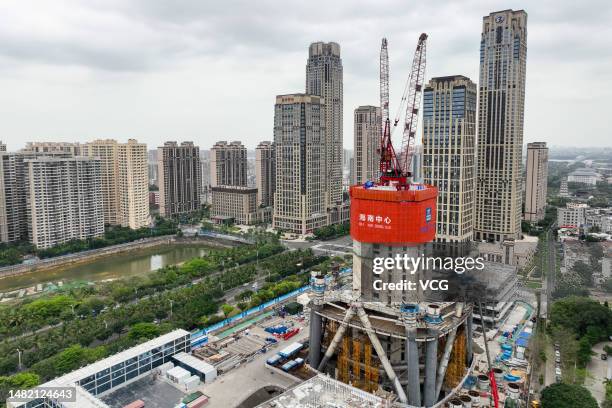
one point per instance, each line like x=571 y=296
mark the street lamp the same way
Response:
x=170 y=307
x=18 y=359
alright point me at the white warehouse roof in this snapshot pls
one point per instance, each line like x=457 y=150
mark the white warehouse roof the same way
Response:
x=195 y=363
x=85 y=399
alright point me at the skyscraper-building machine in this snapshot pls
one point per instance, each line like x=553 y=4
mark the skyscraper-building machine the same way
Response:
x=398 y=341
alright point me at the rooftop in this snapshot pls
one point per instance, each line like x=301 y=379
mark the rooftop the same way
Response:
x=322 y=391
x=85 y=399
x=154 y=393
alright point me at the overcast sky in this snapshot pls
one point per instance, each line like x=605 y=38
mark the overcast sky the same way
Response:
x=206 y=70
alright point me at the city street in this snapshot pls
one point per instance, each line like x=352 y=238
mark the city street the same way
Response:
x=334 y=247
x=597 y=372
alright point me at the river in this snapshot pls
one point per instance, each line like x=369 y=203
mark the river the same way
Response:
x=130 y=263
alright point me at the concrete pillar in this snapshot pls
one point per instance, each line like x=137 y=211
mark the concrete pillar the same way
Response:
x=450 y=340
x=470 y=333
x=337 y=338
x=431 y=368
x=413 y=388
x=314 y=351
x=382 y=355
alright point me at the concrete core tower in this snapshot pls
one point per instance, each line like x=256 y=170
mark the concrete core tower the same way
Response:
x=391 y=340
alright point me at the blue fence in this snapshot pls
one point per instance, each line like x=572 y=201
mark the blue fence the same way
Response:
x=200 y=337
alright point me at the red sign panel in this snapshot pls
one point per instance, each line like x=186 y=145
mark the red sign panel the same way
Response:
x=397 y=222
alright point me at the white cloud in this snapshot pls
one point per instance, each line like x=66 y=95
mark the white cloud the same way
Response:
x=206 y=71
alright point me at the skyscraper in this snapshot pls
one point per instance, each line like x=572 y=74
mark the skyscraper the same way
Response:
x=133 y=184
x=503 y=55
x=265 y=173
x=228 y=164
x=64 y=198
x=13 y=186
x=179 y=178
x=13 y=214
x=366 y=144
x=324 y=78
x=449 y=137
x=536 y=181
x=125 y=181
x=299 y=130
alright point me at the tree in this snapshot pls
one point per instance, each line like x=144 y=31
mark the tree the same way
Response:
x=144 y=331
x=580 y=313
x=227 y=309
x=567 y=396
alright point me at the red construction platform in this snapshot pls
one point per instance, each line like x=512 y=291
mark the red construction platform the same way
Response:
x=387 y=216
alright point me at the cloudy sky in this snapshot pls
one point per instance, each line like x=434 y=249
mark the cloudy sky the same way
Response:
x=207 y=70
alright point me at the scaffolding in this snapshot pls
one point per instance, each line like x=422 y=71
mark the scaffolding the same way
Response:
x=456 y=366
x=343 y=361
x=357 y=363
x=331 y=327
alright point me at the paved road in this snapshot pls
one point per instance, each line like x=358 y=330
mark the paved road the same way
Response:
x=597 y=372
x=551 y=273
x=550 y=365
x=339 y=246
x=230 y=389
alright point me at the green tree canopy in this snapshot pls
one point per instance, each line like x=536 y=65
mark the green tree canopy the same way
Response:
x=567 y=396
x=144 y=331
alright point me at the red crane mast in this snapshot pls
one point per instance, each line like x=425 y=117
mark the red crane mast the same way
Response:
x=394 y=169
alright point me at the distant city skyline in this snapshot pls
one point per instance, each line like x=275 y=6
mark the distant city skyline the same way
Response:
x=74 y=71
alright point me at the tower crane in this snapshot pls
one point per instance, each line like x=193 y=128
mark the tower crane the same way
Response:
x=394 y=168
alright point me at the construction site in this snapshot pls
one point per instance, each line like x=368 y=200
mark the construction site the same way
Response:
x=401 y=345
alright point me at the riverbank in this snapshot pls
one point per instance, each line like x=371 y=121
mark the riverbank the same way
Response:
x=96 y=254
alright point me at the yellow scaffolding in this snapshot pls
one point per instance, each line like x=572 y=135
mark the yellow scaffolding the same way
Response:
x=356 y=362
x=343 y=364
x=367 y=372
x=456 y=365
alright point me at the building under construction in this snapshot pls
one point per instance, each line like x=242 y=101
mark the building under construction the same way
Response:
x=421 y=352
x=397 y=342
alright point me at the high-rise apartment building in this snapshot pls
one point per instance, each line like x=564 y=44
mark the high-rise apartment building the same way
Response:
x=416 y=163
x=2 y=147
x=13 y=214
x=205 y=166
x=106 y=152
x=228 y=164
x=324 y=78
x=563 y=190
x=265 y=173
x=152 y=173
x=13 y=184
x=299 y=133
x=73 y=149
x=449 y=138
x=366 y=142
x=180 y=176
x=503 y=55
x=133 y=185
x=536 y=181
x=64 y=199
x=125 y=181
